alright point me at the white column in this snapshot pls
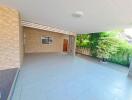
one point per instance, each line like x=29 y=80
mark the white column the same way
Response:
x=130 y=69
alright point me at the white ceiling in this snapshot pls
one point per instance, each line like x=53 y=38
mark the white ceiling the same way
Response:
x=99 y=15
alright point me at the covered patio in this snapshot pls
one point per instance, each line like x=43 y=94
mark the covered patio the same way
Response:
x=64 y=77
x=38 y=38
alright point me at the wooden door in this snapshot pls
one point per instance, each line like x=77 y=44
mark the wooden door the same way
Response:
x=65 y=45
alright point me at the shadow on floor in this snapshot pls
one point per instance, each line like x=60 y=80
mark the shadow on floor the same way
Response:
x=6 y=79
x=110 y=65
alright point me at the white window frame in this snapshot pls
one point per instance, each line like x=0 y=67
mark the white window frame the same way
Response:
x=45 y=37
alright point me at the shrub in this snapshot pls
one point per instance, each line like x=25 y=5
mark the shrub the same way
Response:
x=94 y=39
x=82 y=40
x=123 y=54
x=106 y=47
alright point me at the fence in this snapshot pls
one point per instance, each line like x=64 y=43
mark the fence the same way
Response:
x=82 y=50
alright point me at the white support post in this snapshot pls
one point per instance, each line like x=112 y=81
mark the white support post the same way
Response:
x=130 y=69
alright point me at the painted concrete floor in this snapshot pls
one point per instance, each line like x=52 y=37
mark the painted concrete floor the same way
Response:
x=6 y=80
x=62 y=77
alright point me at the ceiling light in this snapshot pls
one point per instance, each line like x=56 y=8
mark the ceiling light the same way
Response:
x=78 y=14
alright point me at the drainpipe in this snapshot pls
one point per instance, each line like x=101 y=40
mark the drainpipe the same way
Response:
x=130 y=69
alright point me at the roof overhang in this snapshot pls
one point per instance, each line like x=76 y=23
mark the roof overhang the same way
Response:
x=46 y=28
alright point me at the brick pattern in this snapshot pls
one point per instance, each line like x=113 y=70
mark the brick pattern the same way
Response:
x=72 y=45
x=9 y=38
x=33 y=41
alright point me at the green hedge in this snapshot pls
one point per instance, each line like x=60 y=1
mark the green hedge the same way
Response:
x=96 y=42
x=123 y=54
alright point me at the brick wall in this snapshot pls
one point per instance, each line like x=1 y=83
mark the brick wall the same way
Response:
x=11 y=50
x=33 y=42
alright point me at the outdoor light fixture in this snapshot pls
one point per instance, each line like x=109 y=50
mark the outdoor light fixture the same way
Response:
x=78 y=14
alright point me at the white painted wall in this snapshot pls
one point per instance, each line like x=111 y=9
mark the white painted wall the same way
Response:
x=99 y=15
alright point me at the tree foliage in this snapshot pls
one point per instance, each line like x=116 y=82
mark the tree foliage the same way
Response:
x=82 y=40
x=123 y=54
x=94 y=39
x=107 y=45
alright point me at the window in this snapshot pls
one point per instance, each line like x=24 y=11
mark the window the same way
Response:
x=46 y=40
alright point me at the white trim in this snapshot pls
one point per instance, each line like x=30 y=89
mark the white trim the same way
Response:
x=43 y=37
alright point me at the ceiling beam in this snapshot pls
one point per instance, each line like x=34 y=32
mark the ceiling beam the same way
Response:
x=46 y=28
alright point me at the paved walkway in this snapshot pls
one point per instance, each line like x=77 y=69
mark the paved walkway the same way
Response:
x=61 y=77
x=6 y=80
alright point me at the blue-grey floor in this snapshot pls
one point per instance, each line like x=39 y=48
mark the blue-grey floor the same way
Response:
x=62 y=77
x=6 y=80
